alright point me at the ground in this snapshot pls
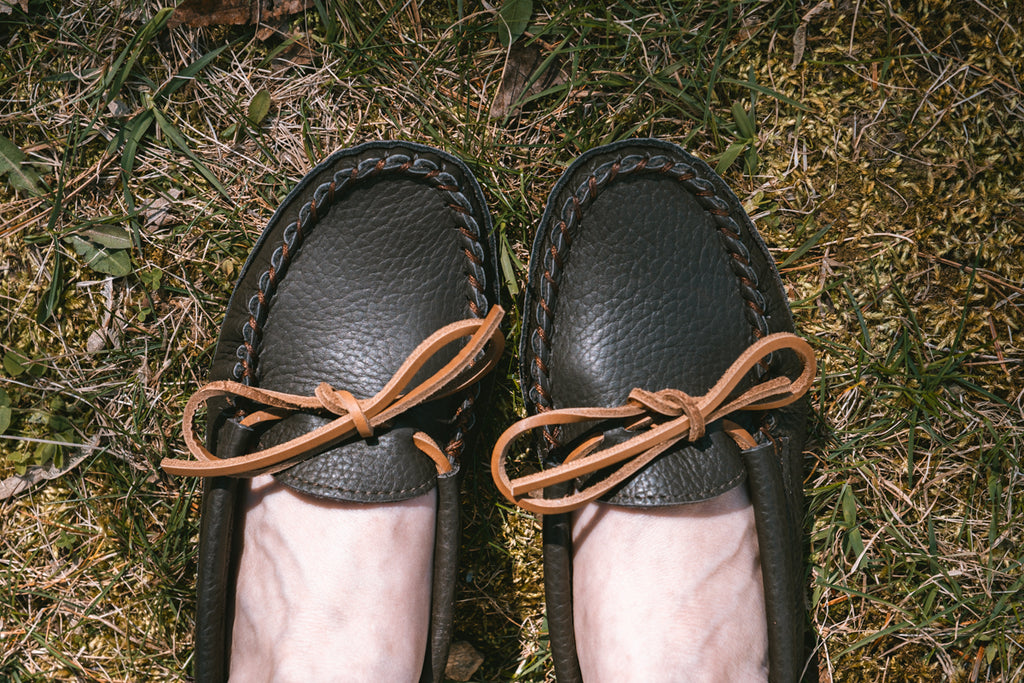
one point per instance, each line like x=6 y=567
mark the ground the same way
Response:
x=875 y=144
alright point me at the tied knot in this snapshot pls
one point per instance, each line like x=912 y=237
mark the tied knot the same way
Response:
x=341 y=402
x=673 y=403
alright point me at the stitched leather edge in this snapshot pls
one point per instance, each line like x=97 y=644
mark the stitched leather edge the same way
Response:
x=703 y=494
x=436 y=174
x=414 y=491
x=559 y=237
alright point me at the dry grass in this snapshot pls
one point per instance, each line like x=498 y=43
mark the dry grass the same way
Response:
x=888 y=180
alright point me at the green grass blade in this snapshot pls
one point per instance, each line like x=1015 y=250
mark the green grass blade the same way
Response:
x=179 y=141
x=135 y=131
x=187 y=74
x=767 y=91
x=54 y=292
x=122 y=67
x=730 y=155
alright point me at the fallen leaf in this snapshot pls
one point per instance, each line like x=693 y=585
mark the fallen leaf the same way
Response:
x=295 y=54
x=20 y=176
x=105 y=335
x=12 y=486
x=220 y=12
x=800 y=37
x=157 y=213
x=799 y=44
x=96 y=342
x=520 y=66
x=264 y=33
x=6 y=6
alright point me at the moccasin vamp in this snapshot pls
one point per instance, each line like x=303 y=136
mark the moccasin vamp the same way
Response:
x=646 y=273
x=377 y=248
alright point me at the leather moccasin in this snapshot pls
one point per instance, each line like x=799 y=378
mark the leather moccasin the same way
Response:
x=659 y=368
x=349 y=361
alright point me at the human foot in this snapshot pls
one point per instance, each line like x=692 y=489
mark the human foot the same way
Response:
x=331 y=591
x=662 y=591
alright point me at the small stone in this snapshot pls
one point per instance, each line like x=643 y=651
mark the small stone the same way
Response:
x=463 y=661
x=118 y=108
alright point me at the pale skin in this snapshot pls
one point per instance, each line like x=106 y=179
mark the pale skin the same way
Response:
x=331 y=592
x=341 y=591
x=669 y=594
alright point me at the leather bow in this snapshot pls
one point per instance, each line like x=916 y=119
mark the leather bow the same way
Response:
x=688 y=417
x=355 y=416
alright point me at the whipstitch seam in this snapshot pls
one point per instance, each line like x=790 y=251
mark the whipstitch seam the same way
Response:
x=309 y=214
x=560 y=239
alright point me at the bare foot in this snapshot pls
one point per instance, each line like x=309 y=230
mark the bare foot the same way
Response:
x=669 y=594
x=332 y=591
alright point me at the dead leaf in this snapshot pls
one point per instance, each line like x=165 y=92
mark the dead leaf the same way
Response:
x=12 y=486
x=157 y=213
x=520 y=66
x=96 y=342
x=7 y=6
x=296 y=54
x=264 y=33
x=463 y=661
x=800 y=37
x=799 y=44
x=220 y=12
x=105 y=335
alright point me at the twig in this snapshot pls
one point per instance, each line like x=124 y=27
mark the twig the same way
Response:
x=986 y=275
x=998 y=346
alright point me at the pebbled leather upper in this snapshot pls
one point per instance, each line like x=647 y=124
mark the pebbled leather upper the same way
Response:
x=384 y=264
x=647 y=296
x=649 y=323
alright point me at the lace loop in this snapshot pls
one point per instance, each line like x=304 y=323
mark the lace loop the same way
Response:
x=355 y=416
x=673 y=403
x=688 y=414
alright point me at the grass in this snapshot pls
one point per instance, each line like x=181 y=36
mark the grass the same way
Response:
x=884 y=170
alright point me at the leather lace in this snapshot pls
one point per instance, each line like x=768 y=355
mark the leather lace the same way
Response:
x=667 y=417
x=354 y=416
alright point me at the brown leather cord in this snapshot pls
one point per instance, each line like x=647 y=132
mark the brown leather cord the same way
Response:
x=355 y=416
x=689 y=416
x=423 y=442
